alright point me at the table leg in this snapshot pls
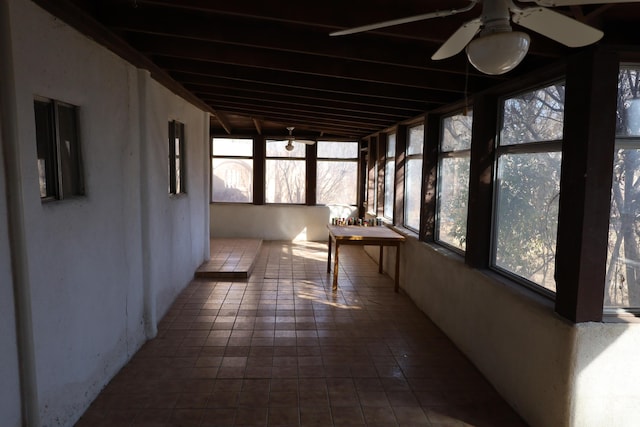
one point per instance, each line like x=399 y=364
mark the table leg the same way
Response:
x=397 y=284
x=329 y=256
x=380 y=269
x=335 y=268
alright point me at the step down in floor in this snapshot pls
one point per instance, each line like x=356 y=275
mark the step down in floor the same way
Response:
x=230 y=259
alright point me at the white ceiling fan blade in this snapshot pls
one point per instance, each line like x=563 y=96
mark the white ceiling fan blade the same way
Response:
x=458 y=40
x=305 y=141
x=557 y=26
x=553 y=3
x=406 y=20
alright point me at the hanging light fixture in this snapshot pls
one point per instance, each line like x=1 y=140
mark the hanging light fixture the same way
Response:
x=499 y=51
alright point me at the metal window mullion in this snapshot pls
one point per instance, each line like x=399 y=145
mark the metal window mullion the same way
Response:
x=530 y=147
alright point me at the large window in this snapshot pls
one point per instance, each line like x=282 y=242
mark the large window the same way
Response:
x=232 y=170
x=177 y=169
x=58 y=148
x=285 y=173
x=528 y=185
x=623 y=263
x=337 y=173
x=389 y=176
x=453 y=180
x=413 y=177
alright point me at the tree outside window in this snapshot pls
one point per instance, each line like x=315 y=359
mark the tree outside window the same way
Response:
x=389 y=176
x=285 y=173
x=413 y=177
x=453 y=180
x=528 y=185
x=232 y=170
x=622 y=288
x=337 y=173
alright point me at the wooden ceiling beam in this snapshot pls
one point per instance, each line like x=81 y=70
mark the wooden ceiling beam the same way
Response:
x=339 y=107
x=289 y=79
x=310 y=114
x=309 y=118
x=214 y=82
x=306 y=64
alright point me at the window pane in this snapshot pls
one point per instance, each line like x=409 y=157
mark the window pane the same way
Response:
x=337 y=182
x=413 y=178
x=622 y=286
x=453 y=198
x=232 y=180
x=623 y=263
x=285 y=181
x=391 y=145
x=528 y=186
x=69 y=151
x=232 y=147
x=45 y=143
x=456 y=132
x=389 y=176
x=416 y=140
x=337 y=150
x=533 y=116
x=277 y=149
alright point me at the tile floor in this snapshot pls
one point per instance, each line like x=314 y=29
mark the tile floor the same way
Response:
x=280 y=349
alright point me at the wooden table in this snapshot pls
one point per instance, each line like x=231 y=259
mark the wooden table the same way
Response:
x=358 y=235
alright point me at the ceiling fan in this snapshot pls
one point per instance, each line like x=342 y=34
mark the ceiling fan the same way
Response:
x=290 y=139
x=498 y=49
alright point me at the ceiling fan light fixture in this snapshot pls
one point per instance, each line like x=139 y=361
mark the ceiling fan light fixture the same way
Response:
x=499 y=52
x=289 y=146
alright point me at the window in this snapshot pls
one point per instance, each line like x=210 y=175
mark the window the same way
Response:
x=623 y=259
x=177 y=170
x=413 y=177
x=453 y=180
x=389 y=176
x=285 y=173
x=58 y=147
x=337 y=173
x=232 y=170
x=528 y=185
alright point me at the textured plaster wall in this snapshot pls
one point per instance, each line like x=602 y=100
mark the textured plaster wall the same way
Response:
x=9 y=385
x=90 y=259
x=274 y=222
x=551 y=372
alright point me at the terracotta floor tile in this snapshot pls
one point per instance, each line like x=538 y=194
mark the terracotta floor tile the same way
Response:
x=281 y=349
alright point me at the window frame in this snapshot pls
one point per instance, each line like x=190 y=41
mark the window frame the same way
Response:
x=386 y=209
x=355 y=160
x=547 y=146
x=450 y=154
x=177 y=161
x=304 y=160
x=55 y=176
x=234 y=157
x=407 y=158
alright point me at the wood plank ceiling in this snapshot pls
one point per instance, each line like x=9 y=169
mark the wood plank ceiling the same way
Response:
x=260 y=66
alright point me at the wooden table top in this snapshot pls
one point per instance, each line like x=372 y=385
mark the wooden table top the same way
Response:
x=356 y=232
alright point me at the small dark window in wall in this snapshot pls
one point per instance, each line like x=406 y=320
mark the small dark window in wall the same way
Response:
x=176 y=158
x=58 y=147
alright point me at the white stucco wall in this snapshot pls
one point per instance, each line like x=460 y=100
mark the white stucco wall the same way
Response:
x=551 y=372
x=90 y=258
x=9 y=385
x=274 y=222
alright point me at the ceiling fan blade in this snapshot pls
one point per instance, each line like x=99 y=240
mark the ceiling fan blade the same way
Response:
x=557 y=26
x=305 y=141
x=415 y=18
x=552 y=3
x=458 y=40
